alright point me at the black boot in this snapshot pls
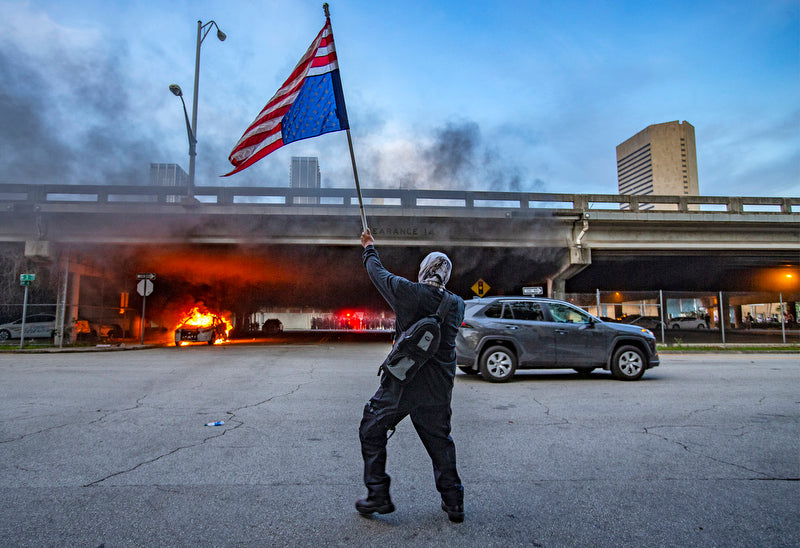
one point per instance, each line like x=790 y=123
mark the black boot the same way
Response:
x=454 y=512
x=453 y=504
x=375 y=504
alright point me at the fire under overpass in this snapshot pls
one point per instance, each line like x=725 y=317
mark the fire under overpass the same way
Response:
x=304 y=242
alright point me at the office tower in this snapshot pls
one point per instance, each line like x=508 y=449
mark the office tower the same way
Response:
x=661 y=159
x=168 y=175
x=304 y=173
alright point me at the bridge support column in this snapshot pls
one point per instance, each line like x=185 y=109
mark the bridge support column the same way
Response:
x=71 y=270
x=67 y=306
x=573 y=262
x=39 y=249
x=723 y=312
x=73 y=302
x=737 y=315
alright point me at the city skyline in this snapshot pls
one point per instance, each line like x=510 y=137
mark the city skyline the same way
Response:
x=524 y=96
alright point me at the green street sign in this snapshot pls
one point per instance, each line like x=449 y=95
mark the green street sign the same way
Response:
x=26 y=279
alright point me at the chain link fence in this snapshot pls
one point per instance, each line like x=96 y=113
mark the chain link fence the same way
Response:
x=711 y=317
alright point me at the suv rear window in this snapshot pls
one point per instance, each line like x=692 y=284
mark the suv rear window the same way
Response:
x=494 y=311
x=526 y=310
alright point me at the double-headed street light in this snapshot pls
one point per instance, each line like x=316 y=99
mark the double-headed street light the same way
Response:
x=176 y=90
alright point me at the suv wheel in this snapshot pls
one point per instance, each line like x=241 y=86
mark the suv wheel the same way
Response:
x=498 y=364
x=628 y=363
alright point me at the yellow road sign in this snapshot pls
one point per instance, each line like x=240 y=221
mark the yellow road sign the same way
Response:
x=480 y=288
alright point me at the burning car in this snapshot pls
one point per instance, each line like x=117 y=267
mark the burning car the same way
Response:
x=204 y=327
x=86 y=329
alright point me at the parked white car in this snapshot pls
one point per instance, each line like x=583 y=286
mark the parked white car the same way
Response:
x=687 y=322
x=37 y=326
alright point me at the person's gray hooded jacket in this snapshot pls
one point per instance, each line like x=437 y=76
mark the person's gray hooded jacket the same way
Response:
x=412 y=301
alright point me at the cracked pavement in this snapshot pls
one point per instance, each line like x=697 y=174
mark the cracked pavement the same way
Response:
x=112 y=448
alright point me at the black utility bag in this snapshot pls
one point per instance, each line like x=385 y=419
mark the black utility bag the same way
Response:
x=417 y=344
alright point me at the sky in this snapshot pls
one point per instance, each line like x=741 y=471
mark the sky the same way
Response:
x=508 y=95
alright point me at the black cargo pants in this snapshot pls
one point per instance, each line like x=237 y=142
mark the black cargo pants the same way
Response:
x=391 y=404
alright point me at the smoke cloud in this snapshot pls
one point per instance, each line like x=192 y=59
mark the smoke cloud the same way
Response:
x=454 y=156
x=66 y=115
x=75 y=108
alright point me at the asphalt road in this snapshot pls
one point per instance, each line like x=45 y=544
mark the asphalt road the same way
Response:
x=110 y=449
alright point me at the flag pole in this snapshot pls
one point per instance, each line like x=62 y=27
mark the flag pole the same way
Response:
x=352 y=154
x=358 y=187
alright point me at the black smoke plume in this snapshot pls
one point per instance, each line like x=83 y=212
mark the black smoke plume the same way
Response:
x=70 y=120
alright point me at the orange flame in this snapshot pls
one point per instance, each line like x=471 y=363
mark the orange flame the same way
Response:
x=196 y=318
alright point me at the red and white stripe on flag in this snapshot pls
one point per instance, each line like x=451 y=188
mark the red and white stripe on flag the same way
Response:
x=267 y=133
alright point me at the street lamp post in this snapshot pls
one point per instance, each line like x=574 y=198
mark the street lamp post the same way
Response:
x=176 y=90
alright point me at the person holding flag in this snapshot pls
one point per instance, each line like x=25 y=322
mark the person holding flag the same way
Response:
x=426 y=398
x=310 y=103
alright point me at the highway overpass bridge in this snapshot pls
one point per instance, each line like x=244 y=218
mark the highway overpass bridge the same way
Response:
x=300 y=246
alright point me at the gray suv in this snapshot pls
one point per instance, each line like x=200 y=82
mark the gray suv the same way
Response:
x=502 y=334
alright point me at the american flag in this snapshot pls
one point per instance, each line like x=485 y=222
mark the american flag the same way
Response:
x=309 y=103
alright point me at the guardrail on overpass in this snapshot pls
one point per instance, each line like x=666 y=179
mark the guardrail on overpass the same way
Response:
x=579 y=222
x=15 y=195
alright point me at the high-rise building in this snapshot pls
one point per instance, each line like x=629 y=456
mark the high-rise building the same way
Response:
x=661 y=159
x=168 y=175
x=304 y=173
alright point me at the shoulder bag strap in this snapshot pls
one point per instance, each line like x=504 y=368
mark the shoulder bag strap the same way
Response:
x=444 y=306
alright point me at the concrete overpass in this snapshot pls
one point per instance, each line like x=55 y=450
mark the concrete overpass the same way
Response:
x=565 y=242
x=574 y=230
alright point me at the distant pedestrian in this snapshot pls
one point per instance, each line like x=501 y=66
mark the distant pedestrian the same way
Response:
x=426 y=397
x=748 y=321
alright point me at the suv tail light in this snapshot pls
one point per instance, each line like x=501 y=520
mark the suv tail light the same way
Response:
x=465 y=324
